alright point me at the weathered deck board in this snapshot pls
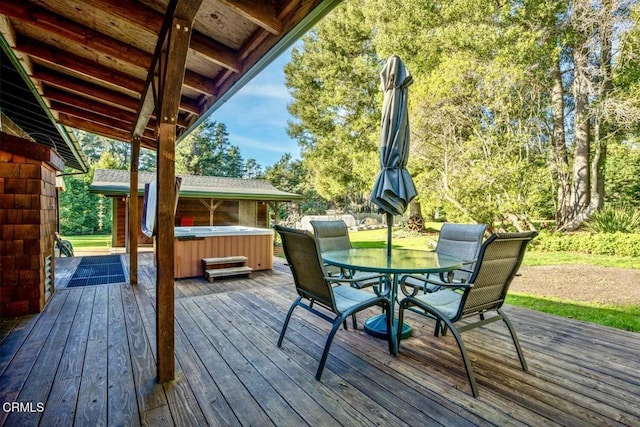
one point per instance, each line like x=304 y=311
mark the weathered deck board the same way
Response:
x=92 y=397
x=90 y=358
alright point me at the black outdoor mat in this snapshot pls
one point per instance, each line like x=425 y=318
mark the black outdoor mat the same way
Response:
x=97 y=270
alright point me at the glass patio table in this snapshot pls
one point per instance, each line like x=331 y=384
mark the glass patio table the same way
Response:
x=401 y=261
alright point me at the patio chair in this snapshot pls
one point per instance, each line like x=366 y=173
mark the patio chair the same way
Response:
x=462 y=241
x=334 y=235
x=315 y=288
x=498 y=262
x=65 y=246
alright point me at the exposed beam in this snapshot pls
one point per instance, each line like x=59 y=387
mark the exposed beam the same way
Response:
x=151 y=20
x=99 y=119
x=58 y=97
x=91 y=116
x=59 y=26
x=80 y=65
x=216 y=52
x=200 y=83
x=54 y=94
x=133 y=12
x=261 y=13
x=89 y=126
x=190 y=106
x=86 y=89
x=98 y=129
x=104 y=95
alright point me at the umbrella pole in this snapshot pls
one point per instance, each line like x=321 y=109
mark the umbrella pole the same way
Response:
x=389 y=227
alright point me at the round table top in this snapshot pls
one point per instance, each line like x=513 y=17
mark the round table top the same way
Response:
x=401 y=260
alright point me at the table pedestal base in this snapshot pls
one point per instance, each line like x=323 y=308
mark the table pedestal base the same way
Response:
x=377 y=327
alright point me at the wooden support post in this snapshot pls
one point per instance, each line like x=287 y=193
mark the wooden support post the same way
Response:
x=212 y=208
x=165 y=241
x=172 y=66
x=134 y=220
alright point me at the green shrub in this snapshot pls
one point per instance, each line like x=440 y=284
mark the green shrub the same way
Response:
x=620 y=244
x=614 y=219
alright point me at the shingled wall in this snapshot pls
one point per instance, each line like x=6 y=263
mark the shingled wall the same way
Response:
x=28 y=219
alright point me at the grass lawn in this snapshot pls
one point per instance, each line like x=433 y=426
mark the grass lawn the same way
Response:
x=100 y=241
x=621 y=317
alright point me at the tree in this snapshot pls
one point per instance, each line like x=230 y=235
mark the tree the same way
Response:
x=333 y=78
x=252 y=169
x=512 y=110
x=291 y=176
x=207 y=151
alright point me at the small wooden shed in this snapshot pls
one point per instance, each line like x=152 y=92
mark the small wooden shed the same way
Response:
x=203 y=200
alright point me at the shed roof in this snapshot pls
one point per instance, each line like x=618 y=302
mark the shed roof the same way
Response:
x=111 y=182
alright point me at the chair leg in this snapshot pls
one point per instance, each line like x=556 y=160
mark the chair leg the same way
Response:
x=514 y=337
x=354 y=321
x=286 y=320
x=465 y=358
x=327 y=345
x=401 y=308
x=456 y=334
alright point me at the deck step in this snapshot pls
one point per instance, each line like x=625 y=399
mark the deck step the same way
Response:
x=238 y=259
x=210 y=275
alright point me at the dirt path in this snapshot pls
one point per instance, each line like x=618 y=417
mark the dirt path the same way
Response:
x=583 y=283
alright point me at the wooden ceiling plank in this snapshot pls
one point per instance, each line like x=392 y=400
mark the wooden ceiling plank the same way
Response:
x=261 y=13
x=138 y=14
x=79 y=65
x=57 y=25
x=131 y=11
x=215 y=52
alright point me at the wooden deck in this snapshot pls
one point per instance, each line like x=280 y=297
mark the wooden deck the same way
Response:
x=89 y=359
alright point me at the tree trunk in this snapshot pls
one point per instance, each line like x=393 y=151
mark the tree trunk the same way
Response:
x=560 y=156
x=596 y=172
x=580 y=194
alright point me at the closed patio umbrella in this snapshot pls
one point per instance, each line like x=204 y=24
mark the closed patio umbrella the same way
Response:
x=394 y=188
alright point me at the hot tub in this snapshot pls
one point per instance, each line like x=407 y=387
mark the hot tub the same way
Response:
x=192 y=244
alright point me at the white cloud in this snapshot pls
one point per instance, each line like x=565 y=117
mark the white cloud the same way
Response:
x=276 y=91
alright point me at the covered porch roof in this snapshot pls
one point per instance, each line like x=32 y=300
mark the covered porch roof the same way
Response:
x=94 y=63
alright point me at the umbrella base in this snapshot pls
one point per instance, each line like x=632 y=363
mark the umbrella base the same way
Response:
x=377 y=326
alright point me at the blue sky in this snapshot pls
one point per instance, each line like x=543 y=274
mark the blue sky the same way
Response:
x=256 y=116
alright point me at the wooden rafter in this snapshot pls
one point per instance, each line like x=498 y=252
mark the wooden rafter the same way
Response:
x=144 y=17
x=79 y=65
x=261 y=13
x=62 y=27
x=86 y=89
x=98 y=129
x=216 y=52
x=58 y=97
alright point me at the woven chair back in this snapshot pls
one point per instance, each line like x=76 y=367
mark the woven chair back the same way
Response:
x=303 y=257
x=499 y=260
